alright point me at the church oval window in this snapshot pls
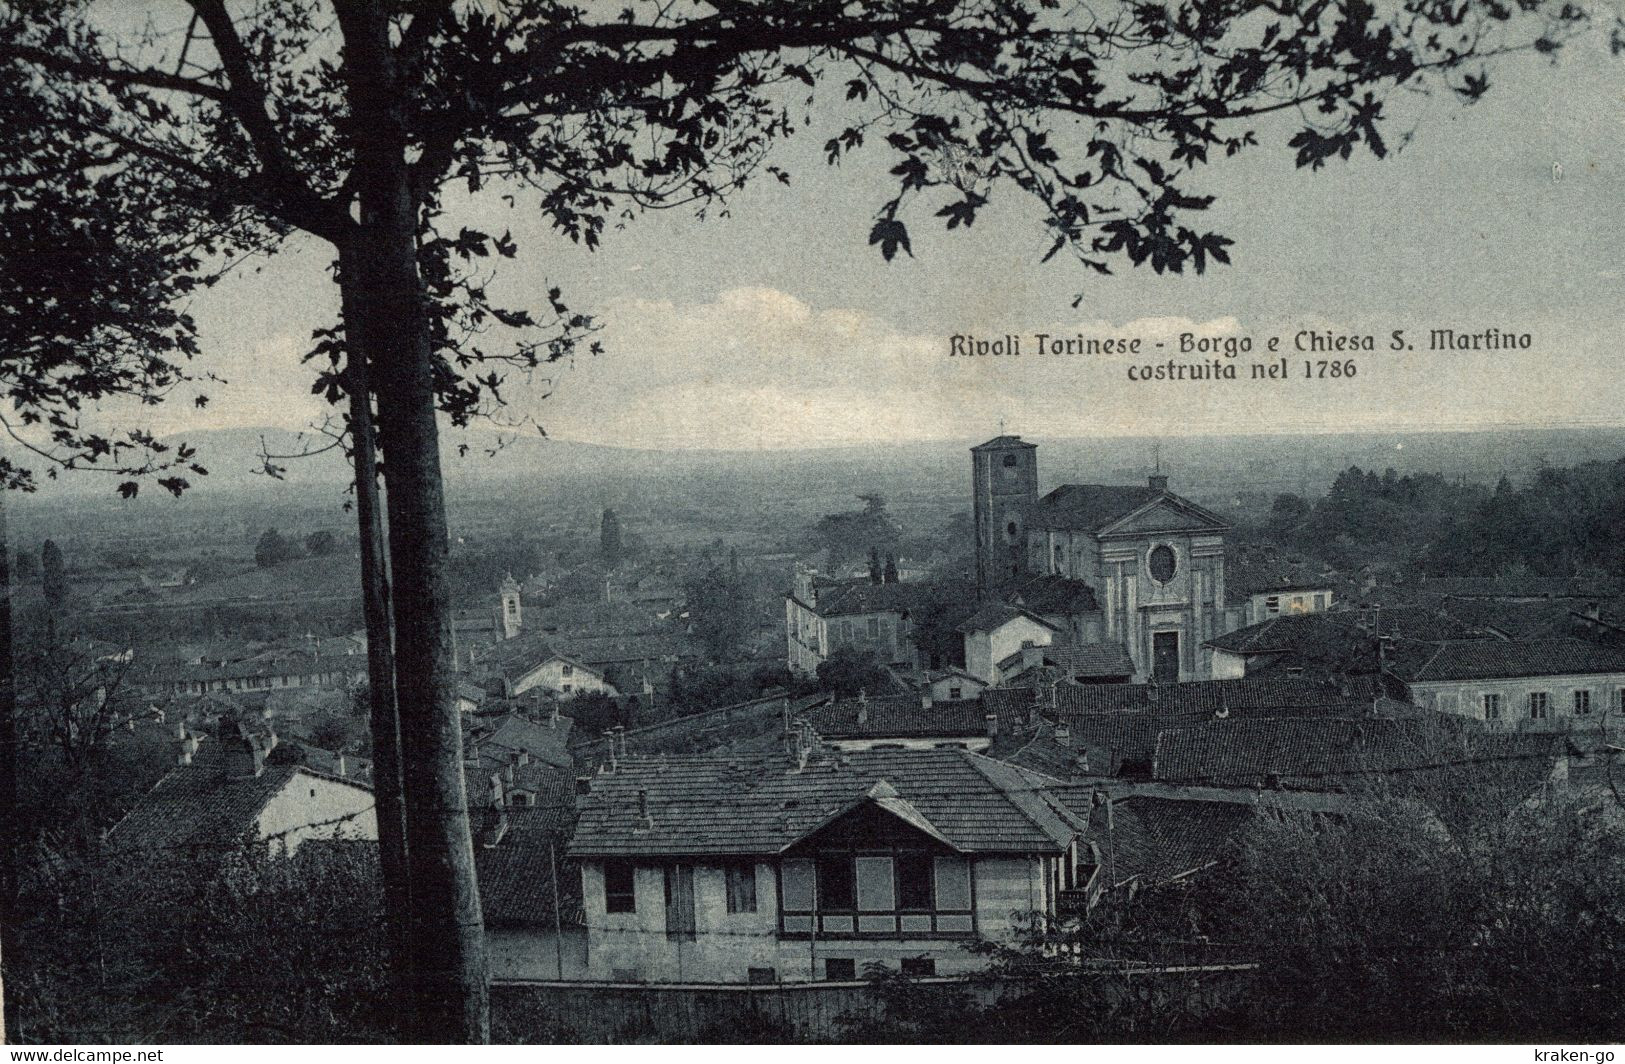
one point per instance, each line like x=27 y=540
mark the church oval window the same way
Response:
x=1162 y=563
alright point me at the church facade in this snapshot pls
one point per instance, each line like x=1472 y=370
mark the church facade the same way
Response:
x=1152 y=560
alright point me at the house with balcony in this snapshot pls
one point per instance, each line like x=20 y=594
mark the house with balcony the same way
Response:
x=811 y=868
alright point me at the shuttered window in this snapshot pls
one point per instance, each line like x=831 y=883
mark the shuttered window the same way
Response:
x=797 y=885
x=741 y=882
x=953 y=883
x=875 y=884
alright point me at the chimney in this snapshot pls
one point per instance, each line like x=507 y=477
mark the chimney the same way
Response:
x=1593 y=611
x=1152 y=694
x=1158 y=481
x=863 y=712
x=339 y=766
x=1063 y=733
x=643 y=810
x=187 y=746
x=992 y=725
x=553 y=718
x=925 y=698
x=583 y=784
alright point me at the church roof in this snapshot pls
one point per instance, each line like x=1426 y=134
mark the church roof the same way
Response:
x=1098 y=507
x=1090 y=507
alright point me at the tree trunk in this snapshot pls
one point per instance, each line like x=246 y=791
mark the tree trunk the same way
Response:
x=393 y=864
x=11 y=842
x=447 y=933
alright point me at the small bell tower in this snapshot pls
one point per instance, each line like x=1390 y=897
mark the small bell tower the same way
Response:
x=510 y=620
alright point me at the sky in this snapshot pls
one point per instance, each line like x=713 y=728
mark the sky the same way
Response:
x=778 y=326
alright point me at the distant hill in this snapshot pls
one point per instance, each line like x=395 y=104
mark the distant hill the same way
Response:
x=477 y=460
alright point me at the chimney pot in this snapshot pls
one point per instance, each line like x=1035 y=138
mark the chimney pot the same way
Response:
x=992 y=725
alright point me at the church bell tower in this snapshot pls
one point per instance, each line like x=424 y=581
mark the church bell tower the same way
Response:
x=510 y=619
x=1004 y=489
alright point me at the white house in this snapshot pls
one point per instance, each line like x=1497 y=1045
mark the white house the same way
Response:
x=996 y=632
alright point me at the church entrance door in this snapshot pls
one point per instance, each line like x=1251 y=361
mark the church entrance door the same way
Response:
x=1165 y=657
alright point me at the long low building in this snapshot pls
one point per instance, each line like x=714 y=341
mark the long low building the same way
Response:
x=719 y=870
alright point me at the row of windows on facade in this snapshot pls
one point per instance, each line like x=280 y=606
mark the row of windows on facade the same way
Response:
x=841 y=883
x=843 y=632
x=1537 y=704
x=836 y=970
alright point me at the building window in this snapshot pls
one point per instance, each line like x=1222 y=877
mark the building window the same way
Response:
x=1582 y=703
x=876 y=885
x=762 y=976
x=568 y=670
x=919 y=967
x=914 y=881
x=840 y=969
x=1539 y=705
x=796 y=884
x=874 y=627
x=1273 y=604
x=837 y=887
x=1297 y=603
x=1492 y=706
x=956 y=693
x=620 y=896
x=952 y=883
x=567 y=688
x=741 y=881
x=1320 y=602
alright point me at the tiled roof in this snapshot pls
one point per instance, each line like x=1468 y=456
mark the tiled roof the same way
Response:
x=764 y=805
x=1316 y=754
x=904 y=716
x=1156 y=840
x=1250 y=696
x=1477 y=659
x=1344 y=640
x=1089 y=507
x=1275 y=574
x=863 y=596
x=995 y=615
x=1527 y=587
x=520 y=872
x=198 y=806
x=1091 y=659
x=515 y=733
